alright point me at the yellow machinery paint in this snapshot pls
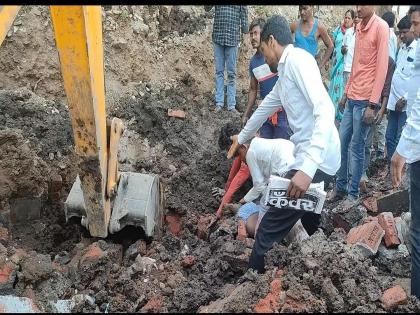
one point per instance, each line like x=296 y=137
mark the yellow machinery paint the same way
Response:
x=78 y=35
x=7 y=16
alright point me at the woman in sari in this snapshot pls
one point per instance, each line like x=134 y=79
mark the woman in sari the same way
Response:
x=336 y=88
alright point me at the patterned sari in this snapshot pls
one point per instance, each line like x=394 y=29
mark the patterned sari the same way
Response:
x=336 y=88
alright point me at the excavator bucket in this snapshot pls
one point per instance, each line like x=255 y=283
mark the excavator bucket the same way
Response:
x=138 y=202
x=105 y=199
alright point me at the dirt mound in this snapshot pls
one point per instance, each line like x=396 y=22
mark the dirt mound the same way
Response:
x=323 y=274
x=177 y=20
x=43 y=122
x=22 y=172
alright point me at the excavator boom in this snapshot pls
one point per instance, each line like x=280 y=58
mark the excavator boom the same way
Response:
x=105 y=203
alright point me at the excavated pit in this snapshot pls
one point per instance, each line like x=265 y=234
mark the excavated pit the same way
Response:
x=186 y=154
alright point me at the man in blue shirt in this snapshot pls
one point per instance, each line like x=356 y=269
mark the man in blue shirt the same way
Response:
x=276 y=126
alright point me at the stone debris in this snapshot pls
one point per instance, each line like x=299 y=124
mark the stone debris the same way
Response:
x=176 y=113
x=395 y=202
x=386 y=221
x=367 y=236
x=393 y=297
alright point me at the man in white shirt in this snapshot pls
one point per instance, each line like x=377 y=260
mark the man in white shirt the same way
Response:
x=389 y=17
x=408 y=150
x=397 y=101
x=310 y=113
x=264 y=157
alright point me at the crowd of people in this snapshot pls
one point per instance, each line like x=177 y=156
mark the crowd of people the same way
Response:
x=306 y=132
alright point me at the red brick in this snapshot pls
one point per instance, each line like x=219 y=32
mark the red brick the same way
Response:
x=292 y=305
x=270 y=303
x=174 y=224
x=92 y=253
x=368 y=235
x=371 y=204
x=393 y=297
x=154 y=305
x=188 y=261
x=4 y=234
x=176 y=113
x=386 y=220
x=242 y=234
x=370 y=219
x=7 y=276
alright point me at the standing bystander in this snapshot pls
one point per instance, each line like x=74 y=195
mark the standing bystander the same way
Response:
x=397 y=102
x=229 y=21
x=363 y=90
x=408 y=150
x=308 y=30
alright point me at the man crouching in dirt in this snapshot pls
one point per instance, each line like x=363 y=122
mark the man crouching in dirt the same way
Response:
x=264 y=157
x=310 y=114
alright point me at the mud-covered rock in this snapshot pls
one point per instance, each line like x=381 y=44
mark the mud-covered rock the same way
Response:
x=36 y=267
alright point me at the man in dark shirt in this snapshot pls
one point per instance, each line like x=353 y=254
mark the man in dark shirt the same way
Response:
x=275 y=126
x=229 y=21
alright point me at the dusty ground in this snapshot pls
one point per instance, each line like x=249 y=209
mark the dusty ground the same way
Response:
x=47 y=259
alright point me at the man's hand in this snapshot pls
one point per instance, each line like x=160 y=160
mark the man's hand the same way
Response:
x=400 y=104
x=242 y=201
x=234 y=147
x=379 y=116
x=397 y=166
x=369 y=116
x=218 y=192
x=298 y=186
x=244 y=120
x=344 y=49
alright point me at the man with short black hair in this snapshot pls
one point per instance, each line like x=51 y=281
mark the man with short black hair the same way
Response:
x=310 y=113
x=308 y=31
x=260 y=76
x=408 y=150
x=389 y=17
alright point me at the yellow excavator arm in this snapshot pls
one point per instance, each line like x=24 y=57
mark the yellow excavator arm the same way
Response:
x=78 y=35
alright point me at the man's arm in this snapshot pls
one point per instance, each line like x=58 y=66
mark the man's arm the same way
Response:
x=236 y=165
x=252 y=96
x=270 y=104
x=386 y=90
x=381 y=63
x=409 y=141
x=257 y=177
x=328 y=43
x=293 y=26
